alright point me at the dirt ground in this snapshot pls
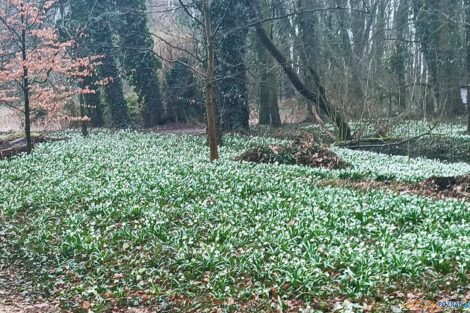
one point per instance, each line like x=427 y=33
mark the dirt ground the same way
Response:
x=13 y=301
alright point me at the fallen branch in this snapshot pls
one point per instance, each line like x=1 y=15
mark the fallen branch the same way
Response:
x=399 y=143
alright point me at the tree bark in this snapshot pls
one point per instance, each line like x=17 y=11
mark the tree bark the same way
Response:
x=308 y=26
x=467 y=33
x=211 y=131
x=264 y=112
x=274 y=100
x=269 y=106
x=399 y=58
x=343 y=129
x=83 y=123
x=439 y=39
x=27 y=106
x=351 y=34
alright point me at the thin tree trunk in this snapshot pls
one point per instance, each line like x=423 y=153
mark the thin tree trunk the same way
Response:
x=211 y=131
x=468 y=118
x=27 y=107
x=83 y=123
x=467 y=28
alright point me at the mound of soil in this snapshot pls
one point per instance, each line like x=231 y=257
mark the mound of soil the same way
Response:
x=308 y=155
x=459 y=185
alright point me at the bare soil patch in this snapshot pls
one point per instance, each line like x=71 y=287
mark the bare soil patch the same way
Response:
x=457 y=185
x=15 y=299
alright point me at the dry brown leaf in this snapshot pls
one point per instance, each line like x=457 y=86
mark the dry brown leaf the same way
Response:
x=86 y=305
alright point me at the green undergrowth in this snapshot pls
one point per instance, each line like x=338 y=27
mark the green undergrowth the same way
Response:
x=124 y=218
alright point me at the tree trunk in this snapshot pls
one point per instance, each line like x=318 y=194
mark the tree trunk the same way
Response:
x=83 y=123
x=102 y=35
x=468 y=118
x=448 y=43
x=273 y=99
x=351 y=58
x=141 y=67
x=343 y=129
x=308 y=25
x=231 y=85
x=269 y=106
x=114 y=93
x=211 y=131
x=398 y=62
x=467 y=33
x=264 y=110
x=439 y=39
x=27 y=107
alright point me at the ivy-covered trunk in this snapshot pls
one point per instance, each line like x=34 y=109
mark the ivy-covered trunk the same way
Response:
x=231 y=85
x=113 y=92
x=140 y=64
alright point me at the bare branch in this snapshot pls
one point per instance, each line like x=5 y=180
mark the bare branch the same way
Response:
x=189 y=13
x=216 y=30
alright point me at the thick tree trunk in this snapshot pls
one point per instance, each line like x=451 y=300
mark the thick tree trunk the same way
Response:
x=318 y=96
x=439 y=40
x=448 y=41
x=264 y=107
x=102 y=35
x=347 y=30
x=269 y=106
x=308 y=25
x=399 y=58
x=114 y=93
x=140 y=65
x=274 y=100
x=211 y=131
x=231 y=85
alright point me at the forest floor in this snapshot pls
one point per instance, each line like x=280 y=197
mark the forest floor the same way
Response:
x=12 y=300
x=135 y=222
x=14 y=143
